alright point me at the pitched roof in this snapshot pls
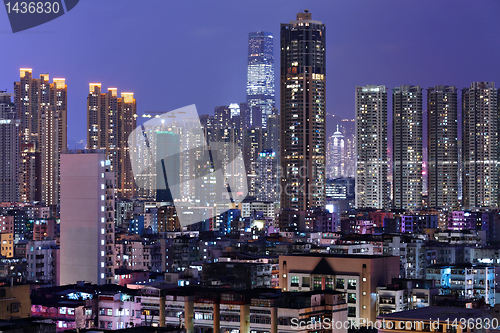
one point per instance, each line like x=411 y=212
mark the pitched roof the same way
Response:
x=323 y=268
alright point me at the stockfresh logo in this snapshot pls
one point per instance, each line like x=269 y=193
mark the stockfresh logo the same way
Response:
x=170 y=153
x=25 y=15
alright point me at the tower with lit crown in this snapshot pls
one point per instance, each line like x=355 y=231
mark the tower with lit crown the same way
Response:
x=42 y=109
x=338 y=155
x=110 y=121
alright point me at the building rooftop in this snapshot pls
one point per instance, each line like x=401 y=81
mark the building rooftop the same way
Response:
x=330 y=255
x=460 y=265
x=434 y=313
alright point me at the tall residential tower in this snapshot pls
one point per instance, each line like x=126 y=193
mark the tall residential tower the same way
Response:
x=407 y=151
x=480 y=145
x=9 y=150
x=371 y=134
x=42 y=109
x=442 y=147
x=302 y=82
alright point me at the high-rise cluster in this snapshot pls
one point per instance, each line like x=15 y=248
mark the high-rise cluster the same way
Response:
x=110 y=121
x=479 y=164
x=42 y=110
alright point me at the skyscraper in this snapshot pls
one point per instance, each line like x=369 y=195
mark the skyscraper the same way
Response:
x=167 y=144
x=348 y=128
x=442 y=147
x=267 y=177
x=49 y=154
x=253 y=145
x=337 y=154
x=371 y=141
x=110 y=121
x=126 y=122
x=59 y=98
x=303 y=75
x=227 y=142
x=480 y=145
x=87 y=218
x=27 y=101
x=42 y=109
x=260 y=75
x=9 y=149
x=30 y=187
x=407 y=146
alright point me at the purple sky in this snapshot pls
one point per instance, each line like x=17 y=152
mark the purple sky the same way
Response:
x=175 y=53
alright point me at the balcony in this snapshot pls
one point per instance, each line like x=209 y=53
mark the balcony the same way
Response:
x=386 y=300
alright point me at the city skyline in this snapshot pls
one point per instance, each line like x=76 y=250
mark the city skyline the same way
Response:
x=225 y=64
x=344 y=168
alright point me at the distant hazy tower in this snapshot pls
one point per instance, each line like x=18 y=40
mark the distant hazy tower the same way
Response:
x=110 y=121
x=480 y=145
x=87 y=219
x=371 y=135
x=338 y=154
x=267 y=179
x=442 y=147
x=407 y=146
x=9 y=150
x=348 y=127
x=260 y=75
x=303 y=76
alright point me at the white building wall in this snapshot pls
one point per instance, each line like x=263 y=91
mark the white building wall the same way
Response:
x=84 y=210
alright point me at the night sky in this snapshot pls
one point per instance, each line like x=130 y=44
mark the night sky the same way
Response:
x=175 y=53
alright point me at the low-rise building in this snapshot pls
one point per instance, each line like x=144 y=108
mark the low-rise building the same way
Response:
x=465 y=281
x=15 y=301
x=237 y=274
x=88 y=306
x=356 y=275
x=405 y=294
x=434 y=318
x=262 y=310
x=41 y=256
